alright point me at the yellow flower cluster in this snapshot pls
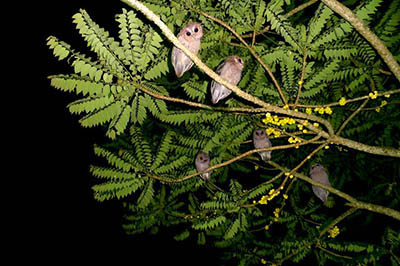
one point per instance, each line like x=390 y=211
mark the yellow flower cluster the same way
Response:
x=272 y=131
x=263 y=261
x=322 y=110
x=289 y=175
x=334 y=232
x=383 y=103
x=275 y=120
x=373 y=95
x=342 y=101
x=294 y=140
x=271 y=194
x=276 y=212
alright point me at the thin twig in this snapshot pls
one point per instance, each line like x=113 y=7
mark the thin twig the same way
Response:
x=380 y=94
x=299 y=8
x=287 y=15
x=333 y=253
x=303 y=72
x=351 y=117
x=337 y=220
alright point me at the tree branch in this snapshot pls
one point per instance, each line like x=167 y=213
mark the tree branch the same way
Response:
x=371 y=37
x=352 y=201
x=239 y=157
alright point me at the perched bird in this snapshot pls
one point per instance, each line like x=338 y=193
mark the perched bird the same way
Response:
x=230 y=70
x=202 y=162
x=190 y=37
x=260 y=140
x=319 y=175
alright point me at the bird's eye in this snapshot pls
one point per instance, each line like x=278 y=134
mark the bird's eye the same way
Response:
x=201 y=158
x=239 y=60
x=196 y=29
x=188 y=33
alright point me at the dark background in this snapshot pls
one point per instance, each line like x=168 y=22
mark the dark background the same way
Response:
x=60 y=219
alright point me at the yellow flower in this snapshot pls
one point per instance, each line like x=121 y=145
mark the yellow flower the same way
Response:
x=277 y=134
x=276 y=212
x=263 y=261
x=342 y=101
x=306 y=123
x=308 y=110
x=316 y=125
x=269 y=130
x=256 y=167
x=383 y=103
x=285 y=196
x=266 y=227
x=334 y=232
x=326 y=147
x=286 y=106
x=328 y=110
x=287 y=174
x=300 y=126
x=305 y=131
x=301 y=82
x=271 y=191
x=378 y=109
x=373 y=95
x=263 y=200
x=387 y=95
x=291 y=176
x=320 y=110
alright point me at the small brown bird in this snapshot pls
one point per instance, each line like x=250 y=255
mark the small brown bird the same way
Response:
x=318 y=174
x=202 y=162
x=230 y=70
x=260 y=140
x=190 y=37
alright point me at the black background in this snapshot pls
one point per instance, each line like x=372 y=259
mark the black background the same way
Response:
x=60 y=219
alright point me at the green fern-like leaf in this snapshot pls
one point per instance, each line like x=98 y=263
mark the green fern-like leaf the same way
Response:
x=210 y=223
x=147 y=195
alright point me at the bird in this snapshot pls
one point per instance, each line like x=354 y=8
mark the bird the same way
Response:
x=318 y=174
x=202 y=162
x=190 y=37
x=260 y=140
x=230 y=70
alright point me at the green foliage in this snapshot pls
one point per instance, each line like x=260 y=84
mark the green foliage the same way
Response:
x=152 y=141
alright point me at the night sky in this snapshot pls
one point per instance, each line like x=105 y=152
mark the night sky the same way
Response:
x=66 y=222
